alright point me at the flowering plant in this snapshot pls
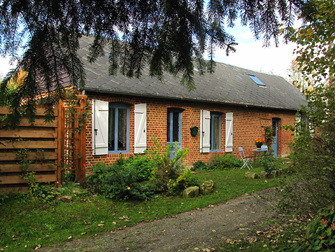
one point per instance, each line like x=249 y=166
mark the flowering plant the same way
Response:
x=320 y=232
x=259 y=142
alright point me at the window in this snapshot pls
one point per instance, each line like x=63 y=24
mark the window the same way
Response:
x=210 y=130
x=174 y=123
x=215 y=131
x=110 y=127
x=258 y=82
x=173 y=126
x=118 y=127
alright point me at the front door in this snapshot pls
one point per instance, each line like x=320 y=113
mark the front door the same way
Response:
x=173 y=130
x=275 y=137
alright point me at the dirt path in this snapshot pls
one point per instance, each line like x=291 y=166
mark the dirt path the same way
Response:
x=202 y=228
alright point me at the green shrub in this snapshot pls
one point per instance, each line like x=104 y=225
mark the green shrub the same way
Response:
x=268 y=164
x=313 y=152
x=320 y=233
x=226 y=161
x=118 y=181
x=199 y=165
x=166 y=168
x=186 y=179
x=142 y=165
x=94 y=181
x=46 y=192
x=121 y=183
x=122 y=179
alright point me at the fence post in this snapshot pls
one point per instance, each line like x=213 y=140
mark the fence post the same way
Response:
x=60 y=148
x=82 y=176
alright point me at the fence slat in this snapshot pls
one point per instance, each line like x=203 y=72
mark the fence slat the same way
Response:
x=38 y=123
x=28 y=133
x=28 y=145
x=31 y=156
x=17 y=179
x=39 y=111
x=6 y=168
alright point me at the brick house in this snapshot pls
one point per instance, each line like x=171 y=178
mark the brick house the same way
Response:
x=230 y=108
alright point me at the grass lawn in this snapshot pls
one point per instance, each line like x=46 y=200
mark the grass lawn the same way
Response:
x=26 y=224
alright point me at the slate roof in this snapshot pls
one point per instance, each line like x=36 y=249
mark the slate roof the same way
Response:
x=228 y=85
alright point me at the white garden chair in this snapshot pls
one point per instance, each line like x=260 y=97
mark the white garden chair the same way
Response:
x=245 y=159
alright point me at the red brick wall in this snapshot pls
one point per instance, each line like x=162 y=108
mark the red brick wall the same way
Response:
x=248 y=124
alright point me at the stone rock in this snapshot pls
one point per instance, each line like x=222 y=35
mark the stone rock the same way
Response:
x=251 y=175
x=265 y=175
x=207 y=187
x=65 y=198
x=276 y=173
x=191 y=192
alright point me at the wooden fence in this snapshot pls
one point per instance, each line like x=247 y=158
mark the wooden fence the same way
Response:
x=29 y=147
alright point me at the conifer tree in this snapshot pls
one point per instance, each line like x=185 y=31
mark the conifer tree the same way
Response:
x=168 y=35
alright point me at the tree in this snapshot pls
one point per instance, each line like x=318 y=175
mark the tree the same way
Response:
x=13 y=85
x=169 y=35
x=296 y=78
x=315 y=40
x=314 y=147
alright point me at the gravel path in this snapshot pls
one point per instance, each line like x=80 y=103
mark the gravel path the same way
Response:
x=203 y=228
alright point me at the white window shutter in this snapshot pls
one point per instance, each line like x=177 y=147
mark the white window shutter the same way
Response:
x=229 y=132
x=205 y=134
x=140 y=128
x=99 y=127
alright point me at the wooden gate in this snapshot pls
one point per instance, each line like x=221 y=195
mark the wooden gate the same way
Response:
x=72 y=139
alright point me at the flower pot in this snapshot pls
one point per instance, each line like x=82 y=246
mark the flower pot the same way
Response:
x=259 y=145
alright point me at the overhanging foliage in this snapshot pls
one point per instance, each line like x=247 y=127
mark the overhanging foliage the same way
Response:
x=169 y=35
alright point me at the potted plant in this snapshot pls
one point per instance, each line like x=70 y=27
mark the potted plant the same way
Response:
x=259 y=142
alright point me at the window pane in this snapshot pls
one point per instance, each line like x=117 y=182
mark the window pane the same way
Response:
x=216 y=133
x=111 y=130
x=168 y=126
x=175 y=127
x=255 y=79
x=122 y=129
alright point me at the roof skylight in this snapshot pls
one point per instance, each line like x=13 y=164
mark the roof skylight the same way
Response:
x=255 y=79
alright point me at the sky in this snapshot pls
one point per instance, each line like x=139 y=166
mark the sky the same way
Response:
x=250 y=54
x=4 y=66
